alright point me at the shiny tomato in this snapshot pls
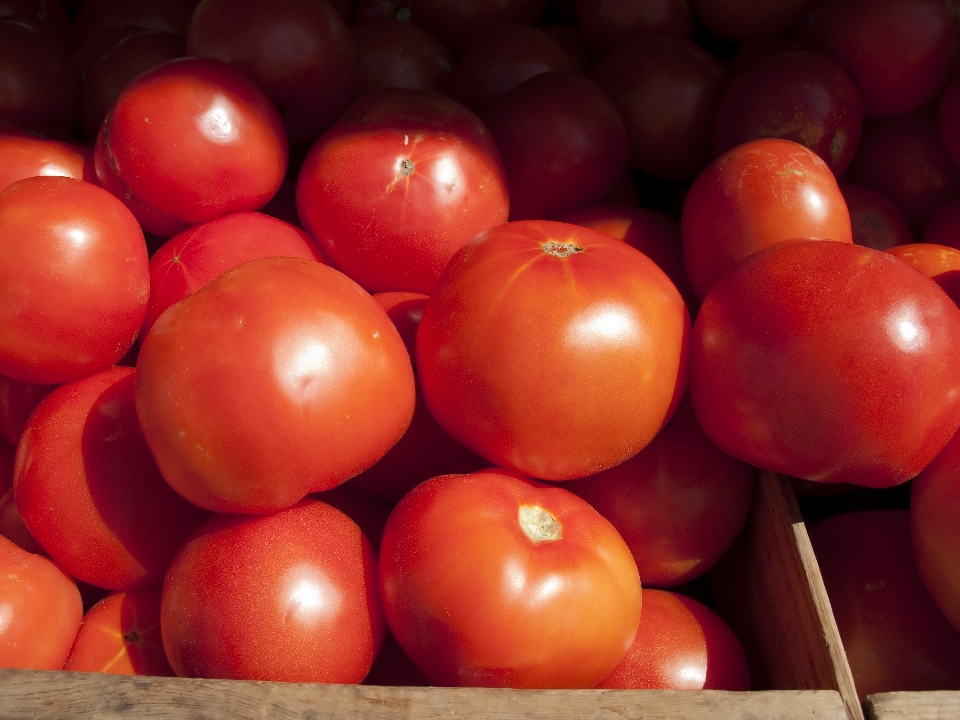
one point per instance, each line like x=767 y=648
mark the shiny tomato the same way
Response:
x=398 y=184
x=491 y=579
x=940 y=263
x=289 y=596
x=552 y=349
x=41 y=610
x=74 y=282
x=23 y=155
x=828 y=361
x=757 y=194
x=280 y=378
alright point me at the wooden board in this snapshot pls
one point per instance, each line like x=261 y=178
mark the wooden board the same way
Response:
x=46 y=694
x=927 y=705
x=769 y=589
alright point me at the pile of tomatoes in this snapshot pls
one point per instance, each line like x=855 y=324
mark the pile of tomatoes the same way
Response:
x=416 y=341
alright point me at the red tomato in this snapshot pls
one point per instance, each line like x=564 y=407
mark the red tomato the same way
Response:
x=757 y=194
x=11 y=523
x=230 y=146
x=280 y=378
x=894 y=636
x=89 y=491
x=490 y=579
x=552 y=349
x=17 y=401
x=398 y=54
x=398 y=184
x=828 y=361
x=41 y=610
x=875 y=221
x=6 y=465
x=940 y=263
x=679 y=503
x=680 y=644
x=23 y=156
x=121 y=635
x=74 y=282
x=290 y=596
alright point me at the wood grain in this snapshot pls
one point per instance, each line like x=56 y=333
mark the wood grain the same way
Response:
x=769 y=589
x=45 y=694
x=927 y=705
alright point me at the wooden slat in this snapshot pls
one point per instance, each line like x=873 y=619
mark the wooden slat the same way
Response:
x=45 y=694
x=769 y=589
x=927 y=705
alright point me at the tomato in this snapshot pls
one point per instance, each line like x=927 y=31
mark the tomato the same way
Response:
x=571 y=40
x=290 y=596
x=938 y=262
x=74 y=282
x=757 y=194
x=679 y=503
x=875 y=221
x=397 y=54
x=552 y=349
x=280 y=378
x=607 y=23
x=11 y=522
x=89 y=491
x=168 y=16
x=23 y=155
x=829 y=362
x=42 y=610
x=121 y=635
x=398 y=184
x=490 y=579
x=17 y=401
x=49 y=19
x=681 y=644
x=6 y=466
x=894 y=636
x=231 y=149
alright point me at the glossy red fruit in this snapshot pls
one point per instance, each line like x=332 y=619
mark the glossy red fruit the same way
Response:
x=23 y=155
x=940 y=263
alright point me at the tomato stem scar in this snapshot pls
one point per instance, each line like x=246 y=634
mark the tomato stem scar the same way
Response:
x=539 y=524
x=561 y=250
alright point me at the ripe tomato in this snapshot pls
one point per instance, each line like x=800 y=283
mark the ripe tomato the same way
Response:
x=23 y=155
x=874 y=219
x=290 y=596
x=940 y=263
x=280 y=378
x=491 y=579
x=552 y=349
x=398 y=54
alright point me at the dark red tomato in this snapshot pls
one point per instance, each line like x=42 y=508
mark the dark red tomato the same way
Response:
x=679 y=503
x=681 y=644
x=200 y=254
x=935 y=524
x=801 y=96
x=742 y=20
x=651 y=232
x=41 y=87
x=755 y=195
x=875 y=221
x=570 y=39
x=6 y=466
x=829 y=362
x=900 y=53
x=607 y=23
x=398 y=54
x=668 y=129
x=894 y=636
x=23 y=155
x=940 y=263
x=552 y=349
x=902 y=158
x=491 y=579
x=944 y=227
x=290 y=596
x=17 y=401
x=49 y=18
x=425 y=450
x=89 y=491
x=280 y=378
x=398 y=184
x=42 y=610
x=136 y=53
x=562 y=141
x=455 y=23
x=299 y=52
x=121 y=635
x=231 y=150
x=99 y=45
x=11 y=523
x=502 y=58
x=74 y=281
x=169 y=16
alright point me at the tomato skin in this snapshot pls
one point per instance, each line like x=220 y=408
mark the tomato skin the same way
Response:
x=398 y=54
x=23 y=155
x=474 y=601
x=43 y=608
x=526 y=355
x=280 y=378
x=69 y=253
x=290 y=596
x=875 y=220
x=778 y=381
x=398 y=184
x=89 y=491
x=17 y=401
x=940 y=263
x=754 y=195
